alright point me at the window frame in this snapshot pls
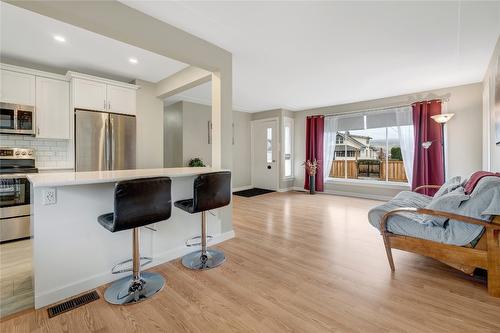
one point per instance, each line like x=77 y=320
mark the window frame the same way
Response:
x=370 y=182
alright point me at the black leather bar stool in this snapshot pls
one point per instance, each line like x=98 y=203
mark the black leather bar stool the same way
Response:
x=211 y=190
x=138 y=202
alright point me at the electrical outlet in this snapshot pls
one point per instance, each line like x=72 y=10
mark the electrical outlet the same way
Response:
x=49 y=196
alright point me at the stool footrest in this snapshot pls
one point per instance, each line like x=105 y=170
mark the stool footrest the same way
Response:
x=116 y=268
x=189 y=241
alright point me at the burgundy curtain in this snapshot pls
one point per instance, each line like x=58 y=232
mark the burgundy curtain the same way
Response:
x=428 y=166
x=315 y=126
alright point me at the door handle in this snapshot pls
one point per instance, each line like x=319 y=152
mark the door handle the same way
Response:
x=111 y=144
x=106 y=144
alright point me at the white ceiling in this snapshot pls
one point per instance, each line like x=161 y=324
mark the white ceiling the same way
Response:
x=27 y=38
x=299 y=55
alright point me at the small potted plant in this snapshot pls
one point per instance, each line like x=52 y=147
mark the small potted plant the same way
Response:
x=196 y=162
x=311 y=169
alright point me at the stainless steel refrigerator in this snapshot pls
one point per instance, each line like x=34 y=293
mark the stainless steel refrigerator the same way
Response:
x=104 y=141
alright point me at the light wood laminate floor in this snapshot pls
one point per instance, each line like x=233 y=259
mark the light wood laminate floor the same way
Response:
x=16 y=284
x=299 y=263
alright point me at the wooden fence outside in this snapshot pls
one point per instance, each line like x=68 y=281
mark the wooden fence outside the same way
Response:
x=396 y=170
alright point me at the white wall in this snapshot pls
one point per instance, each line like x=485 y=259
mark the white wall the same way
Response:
x=172 y=135
x=491 y=151
x=186 y=137
x=241 y=150
x=464 y=133
x=149 y=122
x=195 y=118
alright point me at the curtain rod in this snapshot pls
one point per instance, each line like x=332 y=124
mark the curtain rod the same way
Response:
x=444 y=99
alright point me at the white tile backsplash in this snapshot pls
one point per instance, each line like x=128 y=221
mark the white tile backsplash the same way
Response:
x=50 y=153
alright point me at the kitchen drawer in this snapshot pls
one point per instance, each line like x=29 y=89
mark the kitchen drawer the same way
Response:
x=14 y=228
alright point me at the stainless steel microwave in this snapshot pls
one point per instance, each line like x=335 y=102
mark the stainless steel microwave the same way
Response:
x=17 y=119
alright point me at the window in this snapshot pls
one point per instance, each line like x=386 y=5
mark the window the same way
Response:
x=287 y=147
x=368 y=146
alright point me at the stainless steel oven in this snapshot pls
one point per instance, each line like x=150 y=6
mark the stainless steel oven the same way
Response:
x=17 y=119
x=15 y=163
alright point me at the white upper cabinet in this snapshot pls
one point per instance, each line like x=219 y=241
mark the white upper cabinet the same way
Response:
x=89 y=95
x=17 y=88
x=94 y=93
x=52 y=109
x=121 y=100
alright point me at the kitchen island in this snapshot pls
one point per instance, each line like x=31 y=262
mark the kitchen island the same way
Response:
x=73 y=253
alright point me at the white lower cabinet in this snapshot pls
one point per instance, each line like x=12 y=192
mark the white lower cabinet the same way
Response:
x=52 y=109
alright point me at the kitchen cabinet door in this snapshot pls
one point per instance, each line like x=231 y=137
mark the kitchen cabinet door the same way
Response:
x=90 y=95
x=121 y=100
x=17 y=88
x=52 y=109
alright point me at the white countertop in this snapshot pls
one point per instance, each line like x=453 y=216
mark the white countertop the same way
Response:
x=96 y=177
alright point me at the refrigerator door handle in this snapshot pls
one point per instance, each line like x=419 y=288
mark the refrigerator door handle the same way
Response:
x=111 y=144
x=107 y=143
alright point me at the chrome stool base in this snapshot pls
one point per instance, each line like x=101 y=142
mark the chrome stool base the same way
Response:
x=127 y=291
x=196 y=260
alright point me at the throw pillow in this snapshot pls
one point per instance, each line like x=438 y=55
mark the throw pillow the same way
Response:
x=447 y=202
x=450 y=185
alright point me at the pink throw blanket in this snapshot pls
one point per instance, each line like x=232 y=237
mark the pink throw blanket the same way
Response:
x=475 y=178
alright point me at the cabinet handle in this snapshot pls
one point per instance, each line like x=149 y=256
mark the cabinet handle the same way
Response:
x=109 y=105
x=38 y=130
x=104 y=104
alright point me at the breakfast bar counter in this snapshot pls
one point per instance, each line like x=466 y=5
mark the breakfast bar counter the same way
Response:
x=97 y=177
x=73 y=253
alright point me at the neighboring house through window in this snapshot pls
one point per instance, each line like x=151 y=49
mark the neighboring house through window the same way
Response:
x=368 y=146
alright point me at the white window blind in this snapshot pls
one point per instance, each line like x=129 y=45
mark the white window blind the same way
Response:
x=350 y=122
x=389 y=117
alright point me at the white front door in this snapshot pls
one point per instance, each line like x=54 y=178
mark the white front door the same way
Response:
x=265 y=154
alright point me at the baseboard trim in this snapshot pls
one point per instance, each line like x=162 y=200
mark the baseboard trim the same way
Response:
x=56 y=295
x=288 y=189
x=350 y=194
x=242 y=188
x=359 y=195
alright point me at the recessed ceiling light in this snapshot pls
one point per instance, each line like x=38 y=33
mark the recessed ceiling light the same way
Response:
x=133 y=60
x=59 y=38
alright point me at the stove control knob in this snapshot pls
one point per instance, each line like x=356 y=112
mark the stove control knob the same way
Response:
x=17 y=153
x=30 y=153
x=23 y=153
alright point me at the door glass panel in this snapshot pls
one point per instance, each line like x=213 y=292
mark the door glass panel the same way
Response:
x=14 y=192
x=269 y=143
x=288 y=152
x=24 y=120
x=6 y=118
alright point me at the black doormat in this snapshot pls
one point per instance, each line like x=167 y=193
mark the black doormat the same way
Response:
x=252 y=192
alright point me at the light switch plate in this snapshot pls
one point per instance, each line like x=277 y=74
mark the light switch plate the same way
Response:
x=49 y=196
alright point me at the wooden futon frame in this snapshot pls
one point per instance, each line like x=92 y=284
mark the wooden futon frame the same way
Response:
x=485 y=255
